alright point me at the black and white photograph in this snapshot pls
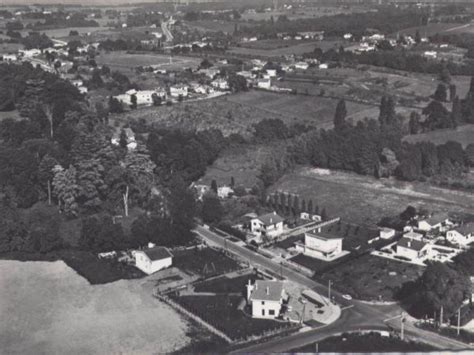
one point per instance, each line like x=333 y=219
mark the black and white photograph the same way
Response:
x=236 y=177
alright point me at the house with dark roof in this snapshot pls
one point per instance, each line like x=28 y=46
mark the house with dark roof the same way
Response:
x=412 y=248
x=152 y=260
x=266 y=298
x=268 y=225
x=462 y=235
x=436 y=221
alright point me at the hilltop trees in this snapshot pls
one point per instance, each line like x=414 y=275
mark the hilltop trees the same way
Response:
x=340 y=115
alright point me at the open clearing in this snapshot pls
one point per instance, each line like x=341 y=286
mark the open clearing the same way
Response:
x=463 y=134
x=61 y=313
x=364 y=199
x=270 y=49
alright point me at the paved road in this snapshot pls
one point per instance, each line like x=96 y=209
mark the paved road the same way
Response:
x=356 y=314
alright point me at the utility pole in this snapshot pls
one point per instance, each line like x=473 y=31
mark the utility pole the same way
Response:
x=459 y=321
x=402 y=331
x=441 y=317
x=329 y=290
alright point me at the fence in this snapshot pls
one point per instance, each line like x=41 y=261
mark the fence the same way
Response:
x=181 y=309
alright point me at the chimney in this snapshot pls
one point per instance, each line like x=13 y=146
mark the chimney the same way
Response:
x=268 y=290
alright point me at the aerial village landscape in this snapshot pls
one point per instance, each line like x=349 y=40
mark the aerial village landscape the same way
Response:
x=250 y=176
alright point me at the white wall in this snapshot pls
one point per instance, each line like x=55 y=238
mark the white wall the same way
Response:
x=266 y=307
x=143 y=263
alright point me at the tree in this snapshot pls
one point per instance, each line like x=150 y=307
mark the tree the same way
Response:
x=409 y=213
x=441 y=286
x=310 y=209
x=232 y=181
x=441 y=93
x=414 y=123
x=452 y=92
x=444 y=75
x=237 y=83
x=324 y=215
x=157 y=100
x=123 y=141
x=133 y=101
x=214 y=186
x=46 y=174
x=100 y=234
x=470 y=154
x=43 y=223
x=212 y=210
x=456 y=112
x=91 y=184
x=340 y=115
x=66 y=190
x=417 y=37
x=115 y=106
x=387 y=111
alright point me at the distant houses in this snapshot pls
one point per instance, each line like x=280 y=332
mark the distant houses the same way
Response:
x=462 y=235
x=438 y=221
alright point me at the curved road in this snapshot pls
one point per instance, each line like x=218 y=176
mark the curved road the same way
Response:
x=356 y=315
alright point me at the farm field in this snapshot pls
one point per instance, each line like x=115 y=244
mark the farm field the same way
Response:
x=462 y=134
x=364 y=199
x=433 y=28
x=271 y=49
x=241 y=162
x=59 y=310
x=122 y=61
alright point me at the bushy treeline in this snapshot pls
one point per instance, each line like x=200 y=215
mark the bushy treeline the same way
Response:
x=387 y=20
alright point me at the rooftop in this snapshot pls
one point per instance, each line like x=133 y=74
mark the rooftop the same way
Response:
x=270 y=219
x=267 y=290
x=466 y=229
x=411 y=244
x=157 y=253
x=438 y=218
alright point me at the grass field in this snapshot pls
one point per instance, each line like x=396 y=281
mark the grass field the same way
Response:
x=279 y=48
x=61 y=313
x=463 y=134
x=123 y=61
x=221 y=311
x=205 y=262
x=371 y=277
x=363 y=199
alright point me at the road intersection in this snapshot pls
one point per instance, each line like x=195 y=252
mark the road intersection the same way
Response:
x=356 y=315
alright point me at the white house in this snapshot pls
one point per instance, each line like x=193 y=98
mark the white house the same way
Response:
x=462 y=235
x=348 y=36
x=321 y=245
x=264 y=83
x=272 y=73
x=387 y=233
x=431 y=54
x=434 y=222
x=9 y=57
x=266 y=298
x=302 y=65
x=269 y=225
x=179 y=90
x=411 y=248
x=153 y=260
x=220 y=84
x=224 y=191
x=131 y=142
x=413 y=236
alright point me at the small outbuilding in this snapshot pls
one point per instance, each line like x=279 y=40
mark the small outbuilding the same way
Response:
x=152 y=260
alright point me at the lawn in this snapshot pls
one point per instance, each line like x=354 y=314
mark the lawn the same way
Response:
x=46 y=308
x=365 y=200
x=221 y=312
x=371 y=277
x=462 y=134
x=363 y=343
x=278 y=48
x=205 y=262
x=225 y=284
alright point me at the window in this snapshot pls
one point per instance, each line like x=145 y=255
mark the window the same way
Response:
x=263 y=312
x=263 y=303
x=271 y=312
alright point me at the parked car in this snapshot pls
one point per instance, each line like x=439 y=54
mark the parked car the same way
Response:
x=347 y=297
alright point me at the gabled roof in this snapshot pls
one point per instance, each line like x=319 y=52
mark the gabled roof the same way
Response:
x=465 y=229
x=436 y=219
x=270 y=219
x=267 y=291
x=411 y=244
x=157 y=253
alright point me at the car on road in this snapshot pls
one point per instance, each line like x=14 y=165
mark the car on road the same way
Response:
x=347 y=297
